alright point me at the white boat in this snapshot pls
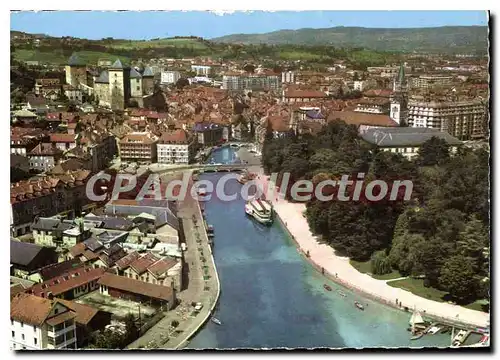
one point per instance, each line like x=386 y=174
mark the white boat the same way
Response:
x=433 y=330
x=216 y=321
x=260 y=210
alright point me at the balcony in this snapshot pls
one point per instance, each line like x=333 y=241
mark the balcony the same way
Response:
x=59 y=332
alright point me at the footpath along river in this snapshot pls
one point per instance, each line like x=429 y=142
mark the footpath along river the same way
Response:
x=271 y=297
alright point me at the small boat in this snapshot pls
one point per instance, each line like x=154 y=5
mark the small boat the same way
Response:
x=260 y=210
x=216 y=321
x=359 y=306
x=417 y=336
x=433 y=330
x=342 y=293
x=327 y=287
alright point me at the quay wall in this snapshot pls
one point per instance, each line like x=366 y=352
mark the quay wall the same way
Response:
x=207 y=314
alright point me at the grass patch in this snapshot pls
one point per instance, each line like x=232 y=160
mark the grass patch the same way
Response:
x=144 y=44
x=416 y=286
x=477 y=305
x=298 y=55
x=365 y=268
x=58 y=57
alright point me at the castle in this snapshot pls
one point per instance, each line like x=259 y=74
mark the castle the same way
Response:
x=116 y=87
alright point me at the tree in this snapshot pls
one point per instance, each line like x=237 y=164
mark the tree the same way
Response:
x=182 y=82
x=380 y=263
x=458 y=278
x=434 y=151
x=472 y=242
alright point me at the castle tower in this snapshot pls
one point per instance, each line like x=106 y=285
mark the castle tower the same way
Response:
x=148 y=84
x=119 y=85
x=399 y=98
x=76 y=71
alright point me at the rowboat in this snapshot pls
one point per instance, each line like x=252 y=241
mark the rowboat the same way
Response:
x=216 y=321
x=359 y=306
x=342 y=293
x=327 y=287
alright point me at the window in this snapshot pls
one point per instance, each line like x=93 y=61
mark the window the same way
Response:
x=22 y=336
x=34 y=327
x=11 y=321
x=35 y=341
x=138 y=88
x=22 y=324
x=13 y=334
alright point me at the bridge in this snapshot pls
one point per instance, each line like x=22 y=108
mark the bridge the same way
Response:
x=206 y=168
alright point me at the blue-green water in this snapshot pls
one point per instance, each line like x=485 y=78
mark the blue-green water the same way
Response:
x=272 y=297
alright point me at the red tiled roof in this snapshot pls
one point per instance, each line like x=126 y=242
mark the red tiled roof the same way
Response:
x=174 y=137
x=297 y=93
x=69 y=280
x=113 y=281
x=125 y=261
x=62 y=138
x=30 y=309
x=84 y=313
x=358 y=118
x=162 y=266
x=141 y=264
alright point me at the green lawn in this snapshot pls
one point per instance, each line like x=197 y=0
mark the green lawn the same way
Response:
x=135 y=44
x=298 y=55
x=365 y=268
x=416 y=286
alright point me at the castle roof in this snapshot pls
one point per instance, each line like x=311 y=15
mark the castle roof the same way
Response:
x=147 y=72
x=74 y=60
x=134 y=74
x=117 y=65
x=103 y=78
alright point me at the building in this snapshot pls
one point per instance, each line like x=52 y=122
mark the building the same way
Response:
x=70 y=285
x=363 y=121
x=176 y=147
x=202 y=70
x=208 y=134
x=429 y=81
x=170 y=77
x=373 y=106
x=406 y=140
x=255 y=82
x=138 y=291
x=399 y=98
x=292 y=95
x=73 y=93
x=48 y=196
x=288 y=77
x=63 y=141
x=48 y=88
x=39 y=323
x=119 y=85
x=139 y=147
x=466 y=120
x=26 y=258
x=76 y=71
x=44 y=157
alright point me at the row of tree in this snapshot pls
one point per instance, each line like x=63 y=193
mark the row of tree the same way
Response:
x=440 y=233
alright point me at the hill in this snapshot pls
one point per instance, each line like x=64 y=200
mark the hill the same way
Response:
x=449 y=39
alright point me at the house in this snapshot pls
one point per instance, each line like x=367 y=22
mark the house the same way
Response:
x=87 y=320
x=406 y=140
x=26 y=259
x=94 y=253
x=24 y=116
x=293 y=95
x=176 y=147
x=49 y=231
x=70 y=285
x=138 y=291
x=54 y=270
x=63 y=142
x=39 y=323
x=44 y=157
x=38 y=105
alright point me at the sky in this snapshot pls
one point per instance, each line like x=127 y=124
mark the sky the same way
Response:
x=161 y=24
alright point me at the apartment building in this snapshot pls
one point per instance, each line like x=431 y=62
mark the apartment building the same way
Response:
x=139 y=146
x=466 y=120
x=429 y=81
x=256 y=82
x=208 y=134
x=39 y=323
x=170 y=77
x=176 y=147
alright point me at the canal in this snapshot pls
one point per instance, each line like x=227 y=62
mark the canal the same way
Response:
x=271 y=297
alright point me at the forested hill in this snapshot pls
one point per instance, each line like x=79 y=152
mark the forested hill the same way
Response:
x=452 y=39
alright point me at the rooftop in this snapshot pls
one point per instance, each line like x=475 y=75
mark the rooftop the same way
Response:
x=405 y=136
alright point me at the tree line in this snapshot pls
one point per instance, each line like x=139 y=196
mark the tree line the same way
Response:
x=441 y=233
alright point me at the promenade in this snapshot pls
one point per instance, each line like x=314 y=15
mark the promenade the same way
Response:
x=199 y=266
x=338 y=269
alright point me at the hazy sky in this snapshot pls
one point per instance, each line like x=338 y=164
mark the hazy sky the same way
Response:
x=159 y=24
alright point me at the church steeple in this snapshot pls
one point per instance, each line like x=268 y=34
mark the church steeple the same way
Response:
x=399 y=98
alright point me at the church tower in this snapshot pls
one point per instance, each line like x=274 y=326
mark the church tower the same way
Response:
x=76 y=71
x=399 y=98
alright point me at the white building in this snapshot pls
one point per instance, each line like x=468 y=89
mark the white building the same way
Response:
x=39 y=323
x=288 y=77
x=201 y=70
x=170 y=77
x=358 y=85
x=175 y=147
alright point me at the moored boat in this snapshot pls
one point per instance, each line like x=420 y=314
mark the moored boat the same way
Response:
x=327 y=287
x=342 y=293
x=359 y=306
x=216 y=321
x=260 y=210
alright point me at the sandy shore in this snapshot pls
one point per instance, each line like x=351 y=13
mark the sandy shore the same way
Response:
x=340 y=270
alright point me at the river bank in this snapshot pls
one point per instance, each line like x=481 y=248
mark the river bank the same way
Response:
x=339 y=270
